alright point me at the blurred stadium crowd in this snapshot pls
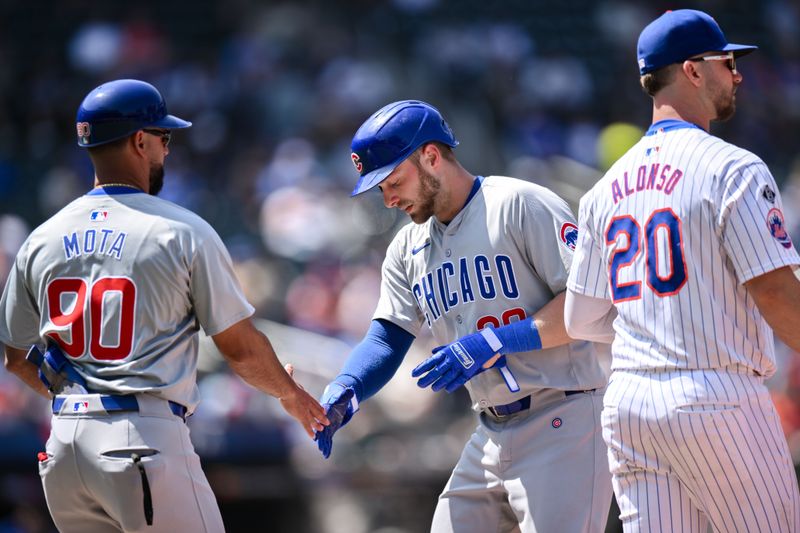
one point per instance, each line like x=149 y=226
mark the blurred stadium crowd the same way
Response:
x=545 y=91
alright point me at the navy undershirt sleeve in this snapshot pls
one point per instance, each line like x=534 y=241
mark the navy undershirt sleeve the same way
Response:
x=374 y=361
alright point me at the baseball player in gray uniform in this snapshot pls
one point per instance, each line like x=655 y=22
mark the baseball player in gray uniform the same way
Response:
x=113 y=289
x=484 y=266
x=683 y=248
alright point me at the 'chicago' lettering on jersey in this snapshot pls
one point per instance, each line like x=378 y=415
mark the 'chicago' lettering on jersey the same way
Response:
x=451 y=284
x=92 y=241
x=645 y=180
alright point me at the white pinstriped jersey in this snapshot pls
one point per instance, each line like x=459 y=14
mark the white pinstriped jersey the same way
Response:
x=670 y=234
x=504 y=256
x=122 y=280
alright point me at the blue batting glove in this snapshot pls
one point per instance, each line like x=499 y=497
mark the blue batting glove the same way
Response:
x=458 y=362
x=461 y=380
x=340 y=405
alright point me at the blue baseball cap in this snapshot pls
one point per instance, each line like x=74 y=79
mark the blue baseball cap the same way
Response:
x=678 y=35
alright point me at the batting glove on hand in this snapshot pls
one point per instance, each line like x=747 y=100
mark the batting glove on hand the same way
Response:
x=340 y=405
x=462 y=379
x=458 y=362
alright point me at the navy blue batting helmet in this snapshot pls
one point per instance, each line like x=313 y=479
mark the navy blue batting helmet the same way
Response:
x=119 y=108
x=392 y=134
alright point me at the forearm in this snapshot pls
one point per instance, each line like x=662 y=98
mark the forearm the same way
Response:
x=263 y=370
x=589 y=318
x=549 y=322
x=16 y=363
x=374 y=361
x=777 y=296
x=543 y=330
x=251 y=356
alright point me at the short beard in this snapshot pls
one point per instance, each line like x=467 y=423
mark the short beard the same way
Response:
x=724 y=104
x=725 y=113
x=426 y=200
x=156 y=178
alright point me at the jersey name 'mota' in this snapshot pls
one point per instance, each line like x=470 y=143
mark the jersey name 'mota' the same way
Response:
x=91 y=241
x=450 y=284
x=121 y=281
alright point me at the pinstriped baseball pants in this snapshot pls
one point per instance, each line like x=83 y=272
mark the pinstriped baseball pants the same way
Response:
x=689 y=449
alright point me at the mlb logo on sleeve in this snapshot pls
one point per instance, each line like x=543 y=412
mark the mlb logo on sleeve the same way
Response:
x=98 y=215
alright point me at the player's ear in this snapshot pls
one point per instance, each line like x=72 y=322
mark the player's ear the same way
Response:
x=138 y=141
x=692 y=72
x=431 y=155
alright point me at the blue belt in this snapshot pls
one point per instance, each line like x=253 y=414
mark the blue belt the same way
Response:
x=511 y=408
x=524 y=403
x=120 y=402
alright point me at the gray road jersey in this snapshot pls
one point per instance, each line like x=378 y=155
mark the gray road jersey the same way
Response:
x=124 y=281
x=503 y=257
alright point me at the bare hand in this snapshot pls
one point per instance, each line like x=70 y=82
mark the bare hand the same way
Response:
x=304 y=407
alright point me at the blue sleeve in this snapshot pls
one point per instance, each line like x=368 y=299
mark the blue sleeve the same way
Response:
x=374 y=361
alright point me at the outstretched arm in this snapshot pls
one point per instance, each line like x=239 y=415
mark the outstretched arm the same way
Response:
x=370 y=366
x=250 y=355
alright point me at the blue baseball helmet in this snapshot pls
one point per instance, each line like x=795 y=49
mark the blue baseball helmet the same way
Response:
x=119 y=108
x=392 y=134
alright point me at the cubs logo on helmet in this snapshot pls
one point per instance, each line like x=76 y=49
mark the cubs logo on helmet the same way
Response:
x=357 y=162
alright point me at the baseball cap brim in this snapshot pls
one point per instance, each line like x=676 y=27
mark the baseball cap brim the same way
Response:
x=171 y=122
x=739 y=49
x=371 y=179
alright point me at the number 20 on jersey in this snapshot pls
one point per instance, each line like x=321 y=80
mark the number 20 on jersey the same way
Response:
x=665 y=266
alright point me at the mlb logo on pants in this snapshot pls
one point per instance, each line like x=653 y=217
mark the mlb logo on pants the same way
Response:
x=80 y=407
